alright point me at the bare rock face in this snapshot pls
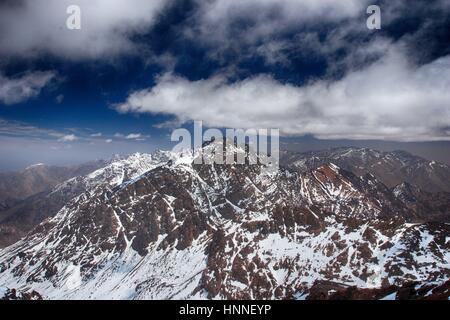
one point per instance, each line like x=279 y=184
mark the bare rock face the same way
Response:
x=173 y=230
x=13 y=294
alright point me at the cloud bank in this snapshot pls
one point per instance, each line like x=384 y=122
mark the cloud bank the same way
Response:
x=390 y=99
x=372 y=86
x=216 y=19
x=29 y=28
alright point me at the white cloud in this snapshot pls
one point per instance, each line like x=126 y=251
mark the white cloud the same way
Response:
x=390 y=99
x=131 y=136
x=108 y=140
x=19 y=89
x=68 y=138
x=134 y=136
x=278 y=30
x=97 y=135
x=32 y=27
x=215 y=21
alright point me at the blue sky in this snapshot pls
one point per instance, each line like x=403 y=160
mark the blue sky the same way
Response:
x=137 y=69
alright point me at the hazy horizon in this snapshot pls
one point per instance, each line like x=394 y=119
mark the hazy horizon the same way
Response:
x=23 y=158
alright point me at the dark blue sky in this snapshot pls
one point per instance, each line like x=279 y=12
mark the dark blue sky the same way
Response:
x=191 y=43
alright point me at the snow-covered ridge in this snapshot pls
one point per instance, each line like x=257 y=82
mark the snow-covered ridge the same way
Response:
x=114 y=174
x=36 y=165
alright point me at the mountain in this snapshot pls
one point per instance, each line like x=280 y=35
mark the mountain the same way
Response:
x=392 y=168
x=17 y=186
x=423 y=186
x=176 y=230
x=18 y=220
x=428 y=206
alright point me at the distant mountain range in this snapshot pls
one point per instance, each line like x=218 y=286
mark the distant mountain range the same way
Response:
x=346 y=223
x=391 y=168
x=27 y=197
x=17 y=186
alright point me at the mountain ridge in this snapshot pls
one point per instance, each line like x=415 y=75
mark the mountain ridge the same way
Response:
x=392 y=168
x=181 y=230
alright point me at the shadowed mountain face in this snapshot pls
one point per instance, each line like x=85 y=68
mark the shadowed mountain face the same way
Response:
x=160 y=227
x=427 y=206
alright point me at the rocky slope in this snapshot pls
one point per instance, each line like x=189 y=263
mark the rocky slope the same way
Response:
x=427 y=206
x=18 y=220
x=181 y=230
x=391 y=168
